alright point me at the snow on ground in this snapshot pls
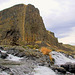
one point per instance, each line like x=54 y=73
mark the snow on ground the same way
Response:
x=13 y=58
x=42 y=70
x=3 y=73
x=61 y=58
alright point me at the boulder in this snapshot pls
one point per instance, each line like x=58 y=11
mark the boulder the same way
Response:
x=3 y=55
x=1 y=48
x=21 y=54
x=69 y=67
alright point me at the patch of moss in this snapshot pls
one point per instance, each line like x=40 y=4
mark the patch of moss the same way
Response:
x=33 y=46
x=30 y=46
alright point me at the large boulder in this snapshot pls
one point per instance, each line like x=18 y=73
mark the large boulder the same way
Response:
x=69 y=67
x=1 y=48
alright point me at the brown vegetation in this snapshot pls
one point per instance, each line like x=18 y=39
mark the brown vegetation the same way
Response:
x=46 y=51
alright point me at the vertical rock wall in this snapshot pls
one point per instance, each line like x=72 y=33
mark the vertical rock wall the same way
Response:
x=22 y=24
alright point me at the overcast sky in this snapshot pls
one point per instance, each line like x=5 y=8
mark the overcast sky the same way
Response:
x=58 y=16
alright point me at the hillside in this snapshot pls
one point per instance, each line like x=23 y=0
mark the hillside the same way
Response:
x=22 y=24
x=72 y=48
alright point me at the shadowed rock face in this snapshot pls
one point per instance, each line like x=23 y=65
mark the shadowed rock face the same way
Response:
x=22 y=24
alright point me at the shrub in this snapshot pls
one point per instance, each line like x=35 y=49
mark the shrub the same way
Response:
x=45 y=50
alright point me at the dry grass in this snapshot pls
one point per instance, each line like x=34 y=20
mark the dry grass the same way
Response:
x=50 y=56
x=39 y=42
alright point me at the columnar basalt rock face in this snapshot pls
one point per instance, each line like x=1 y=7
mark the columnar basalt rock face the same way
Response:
x=22 y=24
x=11 y=24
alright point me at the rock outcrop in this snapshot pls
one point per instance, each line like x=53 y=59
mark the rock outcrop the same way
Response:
x=22 y=24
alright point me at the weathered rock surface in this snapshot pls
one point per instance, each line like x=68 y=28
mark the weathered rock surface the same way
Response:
x=22 y=24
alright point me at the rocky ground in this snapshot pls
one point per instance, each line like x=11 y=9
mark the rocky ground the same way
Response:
x=28 y=59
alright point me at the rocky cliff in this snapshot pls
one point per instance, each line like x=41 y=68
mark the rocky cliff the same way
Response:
x=22 y=24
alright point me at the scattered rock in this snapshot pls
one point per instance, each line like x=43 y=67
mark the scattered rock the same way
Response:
x=30 y=54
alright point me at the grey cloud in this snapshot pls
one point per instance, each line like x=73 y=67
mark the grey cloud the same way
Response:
x=62 y=28
x=62 y=22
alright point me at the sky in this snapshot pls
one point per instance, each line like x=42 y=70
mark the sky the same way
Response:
x=58 y=16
